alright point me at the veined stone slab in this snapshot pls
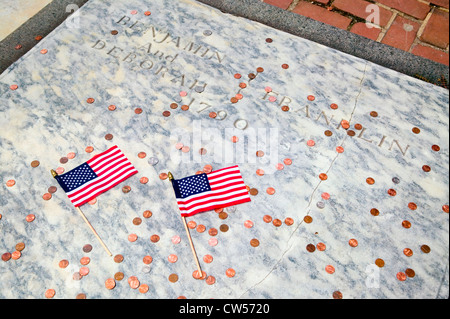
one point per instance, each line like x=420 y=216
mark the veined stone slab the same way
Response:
x=356 y=155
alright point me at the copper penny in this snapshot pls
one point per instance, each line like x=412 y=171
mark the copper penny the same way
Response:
x=254 y=242
x=223 y=215
x=308 y=219
x=208 y=259
x=408 y=252
x=47 y=196
x=310 y=248
x=85 y=261
x=134 y=283
x=201 y=228
x=166 y=113
x=426 y=168
x=270 y=190
x=84 y=271
x=230 y=272
x=147 y=214
x=267 y=218
x=374 y=212
x=35 y=163
x=285 y=66
x=379 y=262
x=253 y=191
x=90 y=100
x=373 y=114
x=63 y=263
x=6 y=256
x=425 y=248
x=143 y=288
x=132 y=237
x=370 y=180
x=163 y=176
x=311 y=97
x=30 y=218
x=358 y=126
x=172 y=258
x=412 y=206
x=137 y=221
x=345 y=124
x=10 y=183
x=436 y=148
x=445 y=208
x=392 y=192
x=410 y=272
x=276 y=222
x=154 y=238
x=87 y=248
x=147 y=260
x=192 y=224
x=260 y=70
x=112 y=107
x=353 y=242
x=323 y=176
x=199 y=276
x=337 y=295
x=119 y=276
x=50 y=293
x=330 y=269
x=210 y=280
x=173 y=106
x=20 y=246
x=110 y=283
x=126 y=189
x=321 y=247
x=401 y=276
x=328 y=133
x=185 y=107
x=108 y=137
x=118 y=258
x=224 y=228
x=285 y=108
x=289 y=221
x=89 y=149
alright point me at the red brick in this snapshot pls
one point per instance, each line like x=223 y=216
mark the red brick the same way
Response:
x=399 y=36
x=413 y=8
x=431 y=54
x=358 y=8
x=283 y=4
x=436 y=30
x=441 y=3
x=323 y=15
x=361 y=29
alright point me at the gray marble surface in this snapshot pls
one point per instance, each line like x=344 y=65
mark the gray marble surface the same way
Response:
x=184 y=46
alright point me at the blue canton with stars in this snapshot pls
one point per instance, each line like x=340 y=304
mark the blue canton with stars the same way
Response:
x=191 y=185
x=76 y=177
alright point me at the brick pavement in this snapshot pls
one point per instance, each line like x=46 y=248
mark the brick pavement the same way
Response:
x=416 y=26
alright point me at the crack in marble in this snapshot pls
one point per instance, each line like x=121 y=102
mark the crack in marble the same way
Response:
x=314 y=190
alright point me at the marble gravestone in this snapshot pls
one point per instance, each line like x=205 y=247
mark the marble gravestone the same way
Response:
x=346 y=162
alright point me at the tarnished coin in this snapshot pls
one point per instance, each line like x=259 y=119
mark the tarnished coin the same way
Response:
x=253 y=191
x=153 y=161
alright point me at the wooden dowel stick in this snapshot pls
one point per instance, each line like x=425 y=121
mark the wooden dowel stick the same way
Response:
x=93 y=230
x=200 y=274
x=192 y=247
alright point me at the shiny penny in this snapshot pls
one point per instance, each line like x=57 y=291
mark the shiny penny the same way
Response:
x=353 y=242
x=110 y=283
x=230 y=272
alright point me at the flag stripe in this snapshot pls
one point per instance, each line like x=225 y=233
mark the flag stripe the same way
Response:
x=211 y=195
x=110 y=167
x=227 y=189
x=92 y=196
x=199 y=209
x=99 y=181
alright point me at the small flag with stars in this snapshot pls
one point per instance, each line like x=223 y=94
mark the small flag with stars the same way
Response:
x=203 y=192
x=96 y=176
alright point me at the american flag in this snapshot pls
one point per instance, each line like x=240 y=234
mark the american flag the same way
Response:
x=97 y=175
x=218 y=189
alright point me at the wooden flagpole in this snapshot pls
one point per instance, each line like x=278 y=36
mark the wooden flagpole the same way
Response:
x=190 y=238
x=88 y=223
